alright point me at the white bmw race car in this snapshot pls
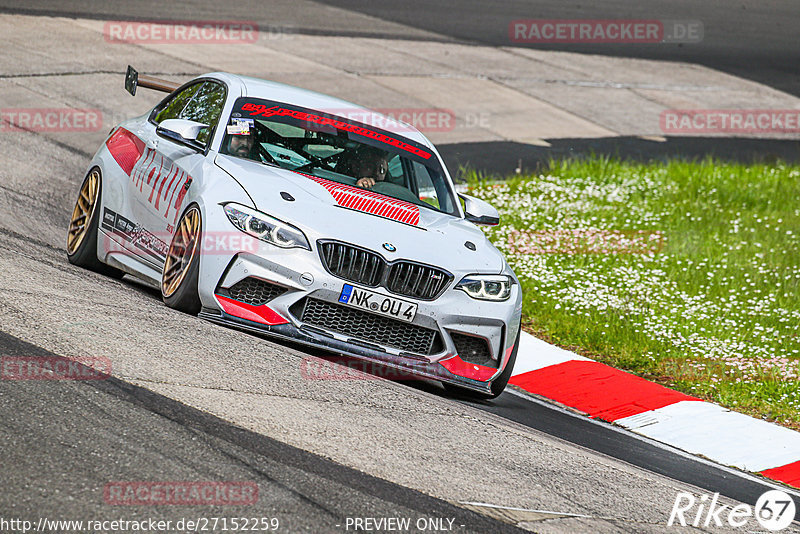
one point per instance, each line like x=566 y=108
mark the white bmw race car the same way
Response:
x=297 y=215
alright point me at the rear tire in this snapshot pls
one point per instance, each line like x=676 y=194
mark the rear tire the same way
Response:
x=182 y=265
x=498 y=384
x=83 y=227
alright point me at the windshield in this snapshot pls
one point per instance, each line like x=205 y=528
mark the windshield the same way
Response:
x=337 y=149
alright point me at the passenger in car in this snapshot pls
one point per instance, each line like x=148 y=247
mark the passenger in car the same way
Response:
x=370 y=167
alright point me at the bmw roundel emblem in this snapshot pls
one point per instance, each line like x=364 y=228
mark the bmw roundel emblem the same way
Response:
x=389 y=247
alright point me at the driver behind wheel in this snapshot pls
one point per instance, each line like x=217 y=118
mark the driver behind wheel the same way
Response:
x=240 y=140
x=371 y=166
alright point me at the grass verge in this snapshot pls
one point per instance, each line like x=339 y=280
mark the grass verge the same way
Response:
x=685 y=273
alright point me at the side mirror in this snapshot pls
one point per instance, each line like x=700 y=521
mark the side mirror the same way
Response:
x=479 y=212
x=182 y=131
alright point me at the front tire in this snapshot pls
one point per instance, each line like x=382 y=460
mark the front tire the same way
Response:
x=182 y=265
x=83 y=227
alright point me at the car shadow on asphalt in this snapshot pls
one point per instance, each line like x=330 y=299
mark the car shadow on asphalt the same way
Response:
x=342 y=367
x=142 y=287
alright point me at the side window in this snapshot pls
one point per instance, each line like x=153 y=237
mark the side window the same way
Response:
x=173 y=108
x=205 y=107
x=427 y=190
x=394 y=172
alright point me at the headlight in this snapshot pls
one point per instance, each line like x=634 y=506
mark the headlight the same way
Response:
x=486 y=286
x=266 y=228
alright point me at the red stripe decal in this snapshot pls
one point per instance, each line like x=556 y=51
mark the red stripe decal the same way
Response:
x=125 y=148
x=362 y=203
x=260 y=314
x=264 y=111
x=790 y=474
x=369 y=202
x=163 y=183
x=599 y=390
x=459 y=367
x=181 y=194
x=141 y=169
x=158 y=172
x=171 y=190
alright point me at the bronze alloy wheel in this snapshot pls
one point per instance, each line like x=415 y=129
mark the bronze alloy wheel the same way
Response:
x=182 y=252
x=83 y=212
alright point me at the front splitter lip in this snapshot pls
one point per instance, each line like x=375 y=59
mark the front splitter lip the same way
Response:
x=318 y=339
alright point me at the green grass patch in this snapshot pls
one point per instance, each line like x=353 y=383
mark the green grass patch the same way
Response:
x=687 y=273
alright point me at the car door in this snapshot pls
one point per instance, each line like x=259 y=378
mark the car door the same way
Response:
x=162 y=177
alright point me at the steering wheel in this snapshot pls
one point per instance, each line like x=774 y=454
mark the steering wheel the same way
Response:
x=263 y=152
x=315 y=161
x=395 y=191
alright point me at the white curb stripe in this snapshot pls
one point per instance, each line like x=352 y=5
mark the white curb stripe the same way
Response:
x=697 y=427
x=660 y=444
x=536 y=354
x=727 y=437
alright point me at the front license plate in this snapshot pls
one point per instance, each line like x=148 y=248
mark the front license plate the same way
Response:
x=378 y=303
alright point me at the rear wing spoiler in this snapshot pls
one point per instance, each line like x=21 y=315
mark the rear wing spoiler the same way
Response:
x=133 y=80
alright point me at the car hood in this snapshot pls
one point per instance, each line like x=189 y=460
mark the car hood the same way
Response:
x=436 y=239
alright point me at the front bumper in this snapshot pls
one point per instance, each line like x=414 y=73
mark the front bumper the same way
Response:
x=320 y=339
x=302 y=276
